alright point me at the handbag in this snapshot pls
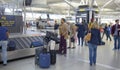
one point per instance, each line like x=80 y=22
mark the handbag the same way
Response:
x=87 y=37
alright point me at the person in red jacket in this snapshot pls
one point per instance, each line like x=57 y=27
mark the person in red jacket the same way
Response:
x=115 y=31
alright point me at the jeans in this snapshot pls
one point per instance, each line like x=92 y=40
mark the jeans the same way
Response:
x=116 y=42
x=82 y=40
x=108 y=36
x=4 y=51
x=92 y=53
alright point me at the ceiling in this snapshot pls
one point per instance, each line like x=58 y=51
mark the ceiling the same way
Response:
x=63 y=6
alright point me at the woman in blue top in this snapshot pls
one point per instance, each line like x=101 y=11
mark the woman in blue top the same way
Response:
x=92 y=44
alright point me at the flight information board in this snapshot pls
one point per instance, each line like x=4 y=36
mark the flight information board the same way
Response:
x=7 y=20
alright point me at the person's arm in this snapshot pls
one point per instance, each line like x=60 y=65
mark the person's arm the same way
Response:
x=112 y=30
x=7 y=33
x=99 y=36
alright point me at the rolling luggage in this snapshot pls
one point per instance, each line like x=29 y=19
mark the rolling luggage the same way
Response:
x=44 y=60
x=11 y=46
x=52 y=52
x=52 y=57
x=37 y=44
x=37 y=52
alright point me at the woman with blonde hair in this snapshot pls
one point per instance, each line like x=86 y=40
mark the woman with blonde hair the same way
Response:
x=92 y=44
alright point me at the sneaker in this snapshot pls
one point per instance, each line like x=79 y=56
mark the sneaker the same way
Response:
x=118 y=48
x=94 y=63
x=90 y=64
x=65 y=55
x=4 y=64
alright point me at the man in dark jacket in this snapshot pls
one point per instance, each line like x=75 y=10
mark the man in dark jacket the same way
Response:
x=81 y=33
x=115 y=31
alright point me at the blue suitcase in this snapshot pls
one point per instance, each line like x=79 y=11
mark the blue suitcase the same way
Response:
x=36 y=44
x=11 y=46
x=44 y=60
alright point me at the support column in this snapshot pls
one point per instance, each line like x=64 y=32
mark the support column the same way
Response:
x=91 y=13
x=24 y=26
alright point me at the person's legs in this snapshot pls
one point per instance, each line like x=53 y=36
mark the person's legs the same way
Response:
x=106 y=35
x=109 y=37
x=74 y=44
x=64 y=47
x=78 y=40
x=103 y=35
x=4 y=52
x=90 y=53
x=115 y=42
x=69 y=42
x=82 y=40
x=60 y=45
x=94 y=54
x=118 y=42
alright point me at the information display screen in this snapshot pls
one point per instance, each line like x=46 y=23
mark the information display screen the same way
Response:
x=7 y=20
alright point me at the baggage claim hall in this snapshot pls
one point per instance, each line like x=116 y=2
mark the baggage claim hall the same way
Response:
x=59 y=34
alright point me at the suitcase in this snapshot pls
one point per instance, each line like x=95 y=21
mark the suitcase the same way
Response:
x=11 y=46
x=37 y=52
x=44 y=60
x=52 y=52
x=37 y=44
x=52 y=57
x=57 y=48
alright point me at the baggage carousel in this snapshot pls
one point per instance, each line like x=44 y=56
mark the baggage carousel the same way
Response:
x=23 y=49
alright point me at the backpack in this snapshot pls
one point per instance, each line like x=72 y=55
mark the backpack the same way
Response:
x=11 y=46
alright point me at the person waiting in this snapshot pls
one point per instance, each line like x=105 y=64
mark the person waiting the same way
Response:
x=92 y=44
x=81 y=33
x=108 y=32
x=73 y=29
x=115 y=32
x=63 y=30
x=4 y=35
x=56 y=26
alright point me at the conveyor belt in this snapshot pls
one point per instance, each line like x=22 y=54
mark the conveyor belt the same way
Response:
x=22 y=47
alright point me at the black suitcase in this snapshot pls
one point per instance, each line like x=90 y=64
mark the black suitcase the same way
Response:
x=101 y=43
x=37 y=52
x=52 y=57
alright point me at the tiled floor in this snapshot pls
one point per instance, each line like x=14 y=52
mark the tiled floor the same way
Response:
x=76 y=59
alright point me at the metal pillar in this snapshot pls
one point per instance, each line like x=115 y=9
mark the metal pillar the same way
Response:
x=24 y=27
x=91 y=14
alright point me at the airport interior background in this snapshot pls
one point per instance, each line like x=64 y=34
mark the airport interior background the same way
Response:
x=31 y=21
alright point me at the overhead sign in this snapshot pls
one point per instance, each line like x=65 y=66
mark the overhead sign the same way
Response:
x=7 y=20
